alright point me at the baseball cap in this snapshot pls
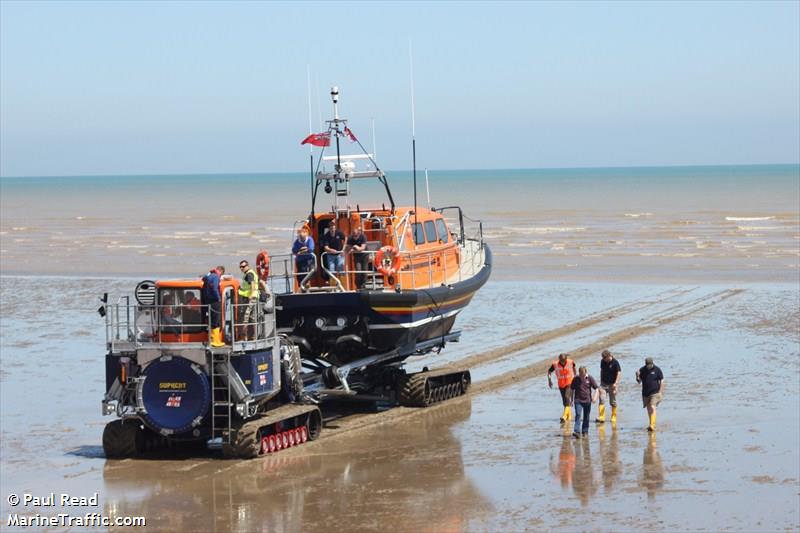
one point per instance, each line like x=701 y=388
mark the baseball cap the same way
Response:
x=648 y=361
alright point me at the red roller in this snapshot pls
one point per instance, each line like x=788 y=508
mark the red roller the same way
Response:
x=303 y=434
x=298 y=436
x=264 y=445
x=291 y=437
x=284 y=440
x=278 y=442
x=272 y=444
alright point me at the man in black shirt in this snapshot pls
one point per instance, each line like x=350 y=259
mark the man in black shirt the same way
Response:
x=333 y=251
x=652 y=380
x=610 y=374
x=357 y=243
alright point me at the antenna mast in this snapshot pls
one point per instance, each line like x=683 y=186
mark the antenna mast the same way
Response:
x=413 y=135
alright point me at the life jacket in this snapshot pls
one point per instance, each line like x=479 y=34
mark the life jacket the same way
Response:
x=565 y=373
x=249 y=290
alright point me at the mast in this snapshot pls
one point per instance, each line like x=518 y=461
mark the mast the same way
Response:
x=310 y=146
x=413 y=136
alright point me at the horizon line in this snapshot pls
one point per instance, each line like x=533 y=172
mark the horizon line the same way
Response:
x=259 y=173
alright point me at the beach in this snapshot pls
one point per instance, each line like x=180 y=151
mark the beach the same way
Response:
x=696 y=267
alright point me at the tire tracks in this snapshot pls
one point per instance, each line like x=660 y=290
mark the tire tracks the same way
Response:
x=354 y=423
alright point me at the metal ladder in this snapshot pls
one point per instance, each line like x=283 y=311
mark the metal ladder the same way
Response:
x=221 y=405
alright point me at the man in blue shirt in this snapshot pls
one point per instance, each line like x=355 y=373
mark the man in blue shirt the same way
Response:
x=303 y=250
x=209 y=295
x=652 y=380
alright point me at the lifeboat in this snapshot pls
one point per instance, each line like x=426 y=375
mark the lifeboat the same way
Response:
x=398 y=283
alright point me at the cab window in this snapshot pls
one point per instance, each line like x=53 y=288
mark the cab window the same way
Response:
x=419 y=236
x=430 y=231
x=442 y=230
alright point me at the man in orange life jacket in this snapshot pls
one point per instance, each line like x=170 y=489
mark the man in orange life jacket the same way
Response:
x=564 y=367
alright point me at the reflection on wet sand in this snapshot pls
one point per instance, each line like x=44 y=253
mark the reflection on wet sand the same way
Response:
x=409 y=475
x=609 y=457
x=652 y=478
x=584 y=483
x=574 y=468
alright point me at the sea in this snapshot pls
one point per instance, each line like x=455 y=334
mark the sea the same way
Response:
x=710 y=223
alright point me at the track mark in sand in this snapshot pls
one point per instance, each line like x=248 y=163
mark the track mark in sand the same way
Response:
x=672 y=314
x=567 y=329
x=351 y=424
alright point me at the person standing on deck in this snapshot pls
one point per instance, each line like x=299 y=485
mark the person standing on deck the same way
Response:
x=210 y=296
x=652 y=380
x=333 y=247
x=356 y=244
x=564 y=367
x=585 y=389
x=248 y=298
x=610 y=374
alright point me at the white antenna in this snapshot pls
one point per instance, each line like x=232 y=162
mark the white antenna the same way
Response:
x=310 y=146
x=427 y=188
x=374 y=149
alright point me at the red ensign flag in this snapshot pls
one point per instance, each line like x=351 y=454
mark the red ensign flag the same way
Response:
x=350 y=134
x=318 y=139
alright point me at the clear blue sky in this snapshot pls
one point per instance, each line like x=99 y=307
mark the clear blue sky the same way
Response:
x=185 y=87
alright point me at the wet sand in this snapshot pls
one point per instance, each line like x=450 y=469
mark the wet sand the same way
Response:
x=724 y=457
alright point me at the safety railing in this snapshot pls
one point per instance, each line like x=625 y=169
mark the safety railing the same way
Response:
x=418 y=269
x=130 y=326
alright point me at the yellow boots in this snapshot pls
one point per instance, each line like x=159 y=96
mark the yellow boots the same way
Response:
x=566 y=414
x=601 y=415
x=614 y=414
x=215 y=338
x=652 y=426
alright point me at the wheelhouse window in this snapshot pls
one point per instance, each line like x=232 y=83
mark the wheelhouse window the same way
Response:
x=419 y=235
x=430 y=231
x=442 y=230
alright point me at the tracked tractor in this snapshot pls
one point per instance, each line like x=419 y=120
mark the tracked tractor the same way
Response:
x=168 y=385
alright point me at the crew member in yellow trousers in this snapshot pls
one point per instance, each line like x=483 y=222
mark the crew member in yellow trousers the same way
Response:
x=652 y=380
x=564 y=367
x=610 y=374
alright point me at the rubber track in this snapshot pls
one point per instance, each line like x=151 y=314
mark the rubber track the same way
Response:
x=412 y=393
x=119 y=439
x=246 y=444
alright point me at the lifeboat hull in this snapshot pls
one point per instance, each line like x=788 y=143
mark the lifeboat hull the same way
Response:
x=345 y=326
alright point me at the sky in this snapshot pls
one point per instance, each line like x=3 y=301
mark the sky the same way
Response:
x=102 y=88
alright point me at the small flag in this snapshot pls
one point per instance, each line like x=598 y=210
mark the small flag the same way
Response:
x=318 y=139
x=349 y=133
x=174 y=401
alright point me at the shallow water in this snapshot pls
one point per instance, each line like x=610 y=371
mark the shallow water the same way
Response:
x=710 y=224
x=724 y=457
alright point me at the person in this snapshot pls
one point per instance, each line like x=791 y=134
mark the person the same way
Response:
x=652 y=380
x=610 y=374
x=210 y=296
x=248 y=298
x=303 y=250
x=356 y=244
x=333 y=246
x=564 y=367
x=584 y=388
x=191 y=309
